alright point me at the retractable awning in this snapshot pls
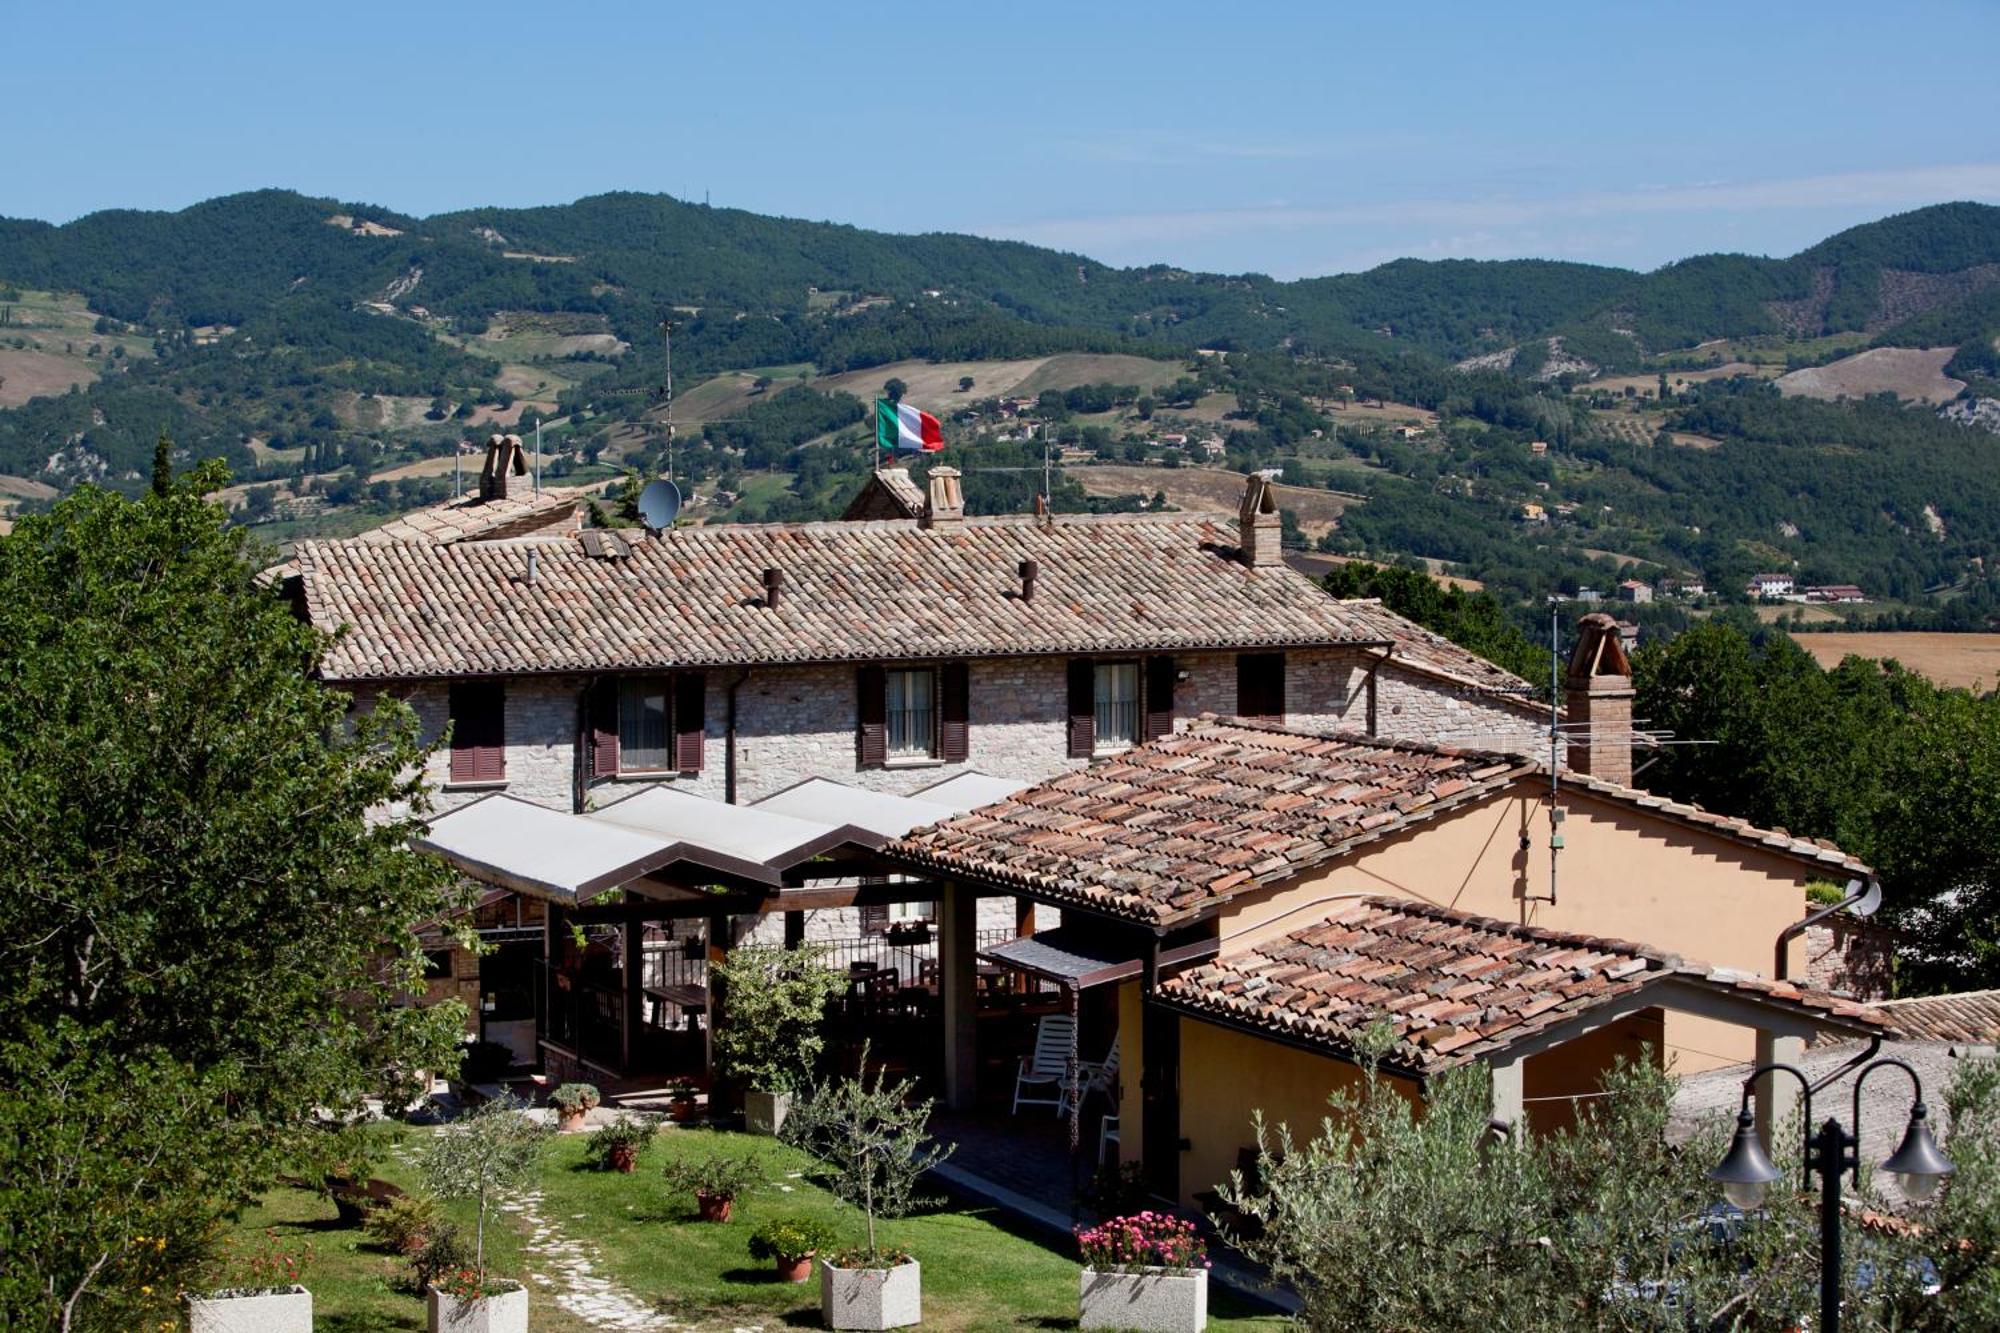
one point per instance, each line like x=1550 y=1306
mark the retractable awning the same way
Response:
x=1079 y=956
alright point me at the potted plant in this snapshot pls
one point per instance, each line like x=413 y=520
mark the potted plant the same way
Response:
x=875 y=1142
x=403 y=1225
x=715 y=1179
x=617 y=1146
x=258 y=1289
x=574 y=1101
x=1146 y=1270
x=773 y=1002
x=681 y=1104
x=791 y=1243
x=490 y=1156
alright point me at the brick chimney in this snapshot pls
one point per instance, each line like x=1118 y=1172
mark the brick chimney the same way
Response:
x=944 y=503
x=1261 y=534
x=1598 y=702
x=504 y=459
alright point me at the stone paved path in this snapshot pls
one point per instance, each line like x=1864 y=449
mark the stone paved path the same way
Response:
x=564 y=1265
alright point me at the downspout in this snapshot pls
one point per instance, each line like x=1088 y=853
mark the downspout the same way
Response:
x=729 y=740
x=585 y=740
x=1863 y=900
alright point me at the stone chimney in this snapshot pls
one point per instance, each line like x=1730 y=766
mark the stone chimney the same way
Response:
x=504 y=459
x=1261 y=534
x=1598 y=702
x=944 y=504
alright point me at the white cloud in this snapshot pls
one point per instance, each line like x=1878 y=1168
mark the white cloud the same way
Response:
x=1478 y=219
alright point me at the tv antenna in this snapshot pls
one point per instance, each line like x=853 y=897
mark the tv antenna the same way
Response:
x=667 y=332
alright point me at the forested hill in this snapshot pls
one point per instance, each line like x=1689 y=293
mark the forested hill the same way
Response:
x=625 y=256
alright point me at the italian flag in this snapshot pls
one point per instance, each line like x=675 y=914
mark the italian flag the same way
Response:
x=900 y=426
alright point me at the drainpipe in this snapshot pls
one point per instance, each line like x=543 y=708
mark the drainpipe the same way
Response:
x=729 y=740
x=585 y=741
x=1860 y=900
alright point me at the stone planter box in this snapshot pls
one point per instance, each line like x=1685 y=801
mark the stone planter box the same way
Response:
x=1153 y=1299
x=765 y=1112
x=277 y=1310
x=502 y=1312
x=871 y=1297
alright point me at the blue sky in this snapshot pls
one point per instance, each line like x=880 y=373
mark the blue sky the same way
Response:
x=1291 y=139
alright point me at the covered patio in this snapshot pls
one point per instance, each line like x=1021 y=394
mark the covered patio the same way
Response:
x=637 y=899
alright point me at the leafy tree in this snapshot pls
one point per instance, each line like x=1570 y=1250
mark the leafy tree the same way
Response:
x=965 y=384
x=894 y=389
x=163 y=465
x=209 y=925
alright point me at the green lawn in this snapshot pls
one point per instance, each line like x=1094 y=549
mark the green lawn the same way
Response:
x=980 y=1271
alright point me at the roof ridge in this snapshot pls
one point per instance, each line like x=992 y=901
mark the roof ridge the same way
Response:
x=1528 y=930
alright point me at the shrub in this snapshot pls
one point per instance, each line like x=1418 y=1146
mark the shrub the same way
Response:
x=268 y=1263
x=790 y=1239
x=775 y=1000
x=716 y=1175
x=403 y=1225
x=572 y=1098
x=625 y=1136
x=443 y=1251
x=1143 y=1240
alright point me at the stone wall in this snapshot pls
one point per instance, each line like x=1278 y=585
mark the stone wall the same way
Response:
x=799 y=722
x=1851 y=955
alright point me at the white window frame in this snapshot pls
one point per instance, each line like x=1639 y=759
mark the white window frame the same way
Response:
x=1103 y=741
x=900 y=678
x=668 y=766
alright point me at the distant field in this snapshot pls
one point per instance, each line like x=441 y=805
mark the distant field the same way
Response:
x=1806 y=611
x=935 y=387
x=1209 y=490
x=1650 y=383
x=1381 y=414
x=21 y=488
x=1914 y=373
x=57 y=330
x=1966 y=660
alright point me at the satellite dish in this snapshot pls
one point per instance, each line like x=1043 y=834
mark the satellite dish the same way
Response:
x=1869 y=901
x=659 y=504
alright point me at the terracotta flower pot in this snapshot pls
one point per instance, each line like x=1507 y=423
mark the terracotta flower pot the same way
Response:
x=569 y=1122
x=796 y=1271
x=714 y=1208
x=624 y=1157
x=684 y=1111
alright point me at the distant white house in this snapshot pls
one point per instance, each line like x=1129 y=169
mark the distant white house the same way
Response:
x=1835 y=592
x=1770 y=585
x=1631 y=590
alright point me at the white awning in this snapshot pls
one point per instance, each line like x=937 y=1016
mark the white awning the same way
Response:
x=836 y=803
x=969 y=791
x=569 y=858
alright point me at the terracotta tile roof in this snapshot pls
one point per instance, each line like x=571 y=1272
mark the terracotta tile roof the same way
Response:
x=1453 y=986
x=853 y=591
x=1972 y=1017
x=1184 y=822
x=1819 y=851
x=885 y=494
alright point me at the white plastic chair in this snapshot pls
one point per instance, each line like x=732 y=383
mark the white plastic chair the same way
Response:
x=1048 y=1065
x=1107 y=1134
x=1092 y=1076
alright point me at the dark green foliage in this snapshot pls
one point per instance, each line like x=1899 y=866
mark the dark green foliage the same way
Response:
x=1472 y=620
x=205 y=934
x=1897 y=770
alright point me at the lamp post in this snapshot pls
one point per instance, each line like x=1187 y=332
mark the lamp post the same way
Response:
x=1746 y=1173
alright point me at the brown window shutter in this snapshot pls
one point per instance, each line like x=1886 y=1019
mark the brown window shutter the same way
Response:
x=690 y=719
x=874 y=919
x=1082 y=707
x=478 y=731
x=604 y=729
x=871 y=731
x=1159 y=697
x=954 y=712
x=1260 y=686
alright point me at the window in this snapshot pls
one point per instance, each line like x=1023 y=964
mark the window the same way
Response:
x=645 y=726
x=1115 y=719
x=911 y=713
x=478 y=731
x=1260 y=687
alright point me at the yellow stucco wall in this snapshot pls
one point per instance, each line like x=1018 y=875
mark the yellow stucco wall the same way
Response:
x=1622 y=874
